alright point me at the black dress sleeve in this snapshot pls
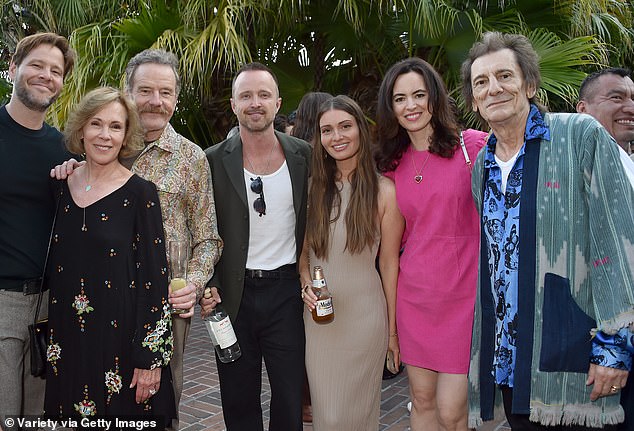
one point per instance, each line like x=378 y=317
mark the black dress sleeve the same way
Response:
x=153 y=342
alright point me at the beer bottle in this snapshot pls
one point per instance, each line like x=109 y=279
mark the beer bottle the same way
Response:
x=324 y=311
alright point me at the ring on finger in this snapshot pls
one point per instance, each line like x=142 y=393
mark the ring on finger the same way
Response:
x=152 y=391
x=614 y=388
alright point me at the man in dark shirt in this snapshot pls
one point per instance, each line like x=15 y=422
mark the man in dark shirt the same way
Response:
x=29 y=148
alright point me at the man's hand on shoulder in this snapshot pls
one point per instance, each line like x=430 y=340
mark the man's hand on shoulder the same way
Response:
x=61 y=172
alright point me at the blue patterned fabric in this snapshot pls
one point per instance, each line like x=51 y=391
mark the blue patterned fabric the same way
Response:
x=613 y=351
x=500 y=217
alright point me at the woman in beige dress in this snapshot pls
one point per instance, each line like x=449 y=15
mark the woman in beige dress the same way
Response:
x=352 y=215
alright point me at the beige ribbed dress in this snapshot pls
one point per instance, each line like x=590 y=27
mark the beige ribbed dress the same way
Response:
x=344 y=358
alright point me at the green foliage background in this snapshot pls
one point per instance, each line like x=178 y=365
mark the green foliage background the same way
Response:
x=339 y=46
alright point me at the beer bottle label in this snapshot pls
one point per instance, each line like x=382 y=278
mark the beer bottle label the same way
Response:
x=324 y=307
x=319 y=283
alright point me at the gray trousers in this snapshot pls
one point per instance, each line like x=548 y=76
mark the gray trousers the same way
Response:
x=180 y=330
x=21 y=393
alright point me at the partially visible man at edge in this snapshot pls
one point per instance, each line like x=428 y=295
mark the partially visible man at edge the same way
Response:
x=608 y=95
x=555 y=295
x=30 y=147
x=261 y=177
x=181 y=173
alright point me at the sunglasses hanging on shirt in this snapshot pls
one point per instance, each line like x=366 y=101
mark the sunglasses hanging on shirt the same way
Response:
x=258 y=204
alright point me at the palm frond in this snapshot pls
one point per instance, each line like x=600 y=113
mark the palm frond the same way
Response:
x=561 y=62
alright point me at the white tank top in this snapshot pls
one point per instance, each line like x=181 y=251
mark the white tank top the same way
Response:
x=272 y=236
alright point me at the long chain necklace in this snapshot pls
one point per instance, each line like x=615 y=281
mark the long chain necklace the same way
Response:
x=268 y=161
x=418 y=174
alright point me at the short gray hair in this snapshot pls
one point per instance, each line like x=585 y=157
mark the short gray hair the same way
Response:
x=151 y=56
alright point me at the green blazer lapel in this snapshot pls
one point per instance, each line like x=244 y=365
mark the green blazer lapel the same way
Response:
x=233 y=164
x=297 y=170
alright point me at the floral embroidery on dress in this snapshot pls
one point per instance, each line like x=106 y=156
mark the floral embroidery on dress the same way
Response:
x=53 y=352
x=86 y=407
x=155 y=340
x=82 y=305
x=113 y=380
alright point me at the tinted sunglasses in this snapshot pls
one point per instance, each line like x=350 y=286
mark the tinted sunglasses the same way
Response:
x=258 y=204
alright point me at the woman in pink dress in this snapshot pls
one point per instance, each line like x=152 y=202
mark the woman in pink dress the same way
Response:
x=422 y=149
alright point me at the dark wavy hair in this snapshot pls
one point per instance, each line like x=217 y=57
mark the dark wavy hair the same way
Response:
x=392 y=138
x=324 y=199
x=306 y=115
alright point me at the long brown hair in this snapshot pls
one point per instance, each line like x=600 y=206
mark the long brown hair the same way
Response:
x=393 y=139
x=325 y=198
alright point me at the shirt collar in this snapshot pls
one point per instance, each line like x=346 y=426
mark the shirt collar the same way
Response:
x=167 y=141
x=536 y=128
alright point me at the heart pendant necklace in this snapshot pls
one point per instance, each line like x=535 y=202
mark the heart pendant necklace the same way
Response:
x=418 y=174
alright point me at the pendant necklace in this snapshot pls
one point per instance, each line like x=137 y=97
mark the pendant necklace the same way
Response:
x=418 y=174
x=88 y=186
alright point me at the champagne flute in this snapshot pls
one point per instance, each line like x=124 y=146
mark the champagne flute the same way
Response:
x=178 y=259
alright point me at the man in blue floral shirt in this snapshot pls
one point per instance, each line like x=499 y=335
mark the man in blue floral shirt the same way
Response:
x=555 y=297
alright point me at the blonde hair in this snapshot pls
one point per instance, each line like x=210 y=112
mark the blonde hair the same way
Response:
x=95 y=101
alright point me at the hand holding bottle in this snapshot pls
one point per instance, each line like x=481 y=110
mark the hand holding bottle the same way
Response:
x=323 y=311
x=210 y=299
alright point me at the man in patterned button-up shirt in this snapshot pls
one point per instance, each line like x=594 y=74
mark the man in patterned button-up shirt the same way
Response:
x=181 y=173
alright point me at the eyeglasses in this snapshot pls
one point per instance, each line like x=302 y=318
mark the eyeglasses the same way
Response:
x=258 y=204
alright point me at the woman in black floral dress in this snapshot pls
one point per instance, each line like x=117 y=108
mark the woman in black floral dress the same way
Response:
x=109 y=322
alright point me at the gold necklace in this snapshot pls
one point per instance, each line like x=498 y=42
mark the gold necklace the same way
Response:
x=418 y=177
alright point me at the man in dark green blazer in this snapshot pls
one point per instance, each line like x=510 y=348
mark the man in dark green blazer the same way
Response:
x=260 y=179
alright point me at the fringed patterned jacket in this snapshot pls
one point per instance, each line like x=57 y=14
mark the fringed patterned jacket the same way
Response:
x=576 y=262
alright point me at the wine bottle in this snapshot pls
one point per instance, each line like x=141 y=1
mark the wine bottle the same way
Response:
x=222 y=335
x=324 y=311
